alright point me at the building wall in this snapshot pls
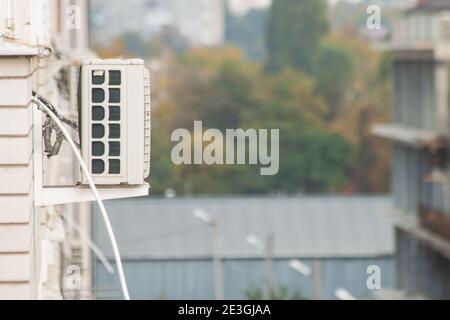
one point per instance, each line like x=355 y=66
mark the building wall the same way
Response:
x=193 y=279
x=421 y=182
x=30 y=237
x=201 y=22
x=19 y=222
x=415 y=104
x=421 y=104
x=421 y=271
x=16 y=180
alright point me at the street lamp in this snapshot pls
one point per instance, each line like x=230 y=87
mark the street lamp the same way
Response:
x=308 y=272
x=255 y=242
x=206 y=218
x=203 y=216
x=343 y=294
x=267 y=248
x=300 y=267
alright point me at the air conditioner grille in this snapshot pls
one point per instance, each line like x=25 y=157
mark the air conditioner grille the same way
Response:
x=115 y=117
x=98 y=131
x=98 y=113
x=115 y=78
x=98 y=166
x=114 y=149
x=98 y=149
x=114 y=95
x=114 y=113
x=98 y=95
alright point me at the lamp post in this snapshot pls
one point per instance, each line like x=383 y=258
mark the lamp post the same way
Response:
x=343 y=294
x=206 y=218
x=266 y=247
x=308 y=272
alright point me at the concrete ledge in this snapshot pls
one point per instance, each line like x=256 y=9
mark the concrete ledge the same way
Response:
x=17 y=67
x=412 y=226
x=405 y=135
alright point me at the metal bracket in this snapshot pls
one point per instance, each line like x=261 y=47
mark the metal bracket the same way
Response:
x=75 y=194
x=48 y=196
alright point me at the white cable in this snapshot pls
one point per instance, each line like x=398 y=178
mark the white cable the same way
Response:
x=123 y=282
x=97 y=251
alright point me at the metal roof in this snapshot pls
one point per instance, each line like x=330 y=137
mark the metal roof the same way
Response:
x=303 y=227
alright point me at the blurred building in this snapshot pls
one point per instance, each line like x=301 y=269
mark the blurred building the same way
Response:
x=242 y=7
x=201 y=22
x=421 y=137
x=167 y=251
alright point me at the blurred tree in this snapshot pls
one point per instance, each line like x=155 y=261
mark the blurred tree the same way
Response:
x=163 y=173
x=295 y=29
x=366 y=102
x=324 y=118
x=133 y=43
x=116 y=49
x=334 y=73
x=312 y=158
x=248 y=33
x=221 y=88
x=169 y=40
x=279 y=293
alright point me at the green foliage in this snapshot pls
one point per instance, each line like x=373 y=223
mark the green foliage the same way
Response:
x=334 y=72
x=323 y=92
x=279 y=293
x=134 y=43
x=295 y=29
x=233 y=93
x=248 y=33
x=163 y=173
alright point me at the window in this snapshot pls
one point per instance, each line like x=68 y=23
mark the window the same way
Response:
x=445 y=30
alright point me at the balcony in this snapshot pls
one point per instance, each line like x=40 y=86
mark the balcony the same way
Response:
x=422 y=35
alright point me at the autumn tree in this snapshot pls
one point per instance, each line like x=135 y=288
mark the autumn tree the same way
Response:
x=295 y=29
x=334 y=74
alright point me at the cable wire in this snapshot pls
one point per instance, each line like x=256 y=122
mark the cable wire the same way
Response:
x=97 y=251
x=43 y=107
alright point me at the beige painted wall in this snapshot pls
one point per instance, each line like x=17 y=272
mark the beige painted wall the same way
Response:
x=31 y=238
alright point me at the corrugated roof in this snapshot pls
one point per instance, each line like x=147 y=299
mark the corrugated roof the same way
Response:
x=303 y=227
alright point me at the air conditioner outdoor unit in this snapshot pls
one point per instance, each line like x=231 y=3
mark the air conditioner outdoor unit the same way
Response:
x=115 y=111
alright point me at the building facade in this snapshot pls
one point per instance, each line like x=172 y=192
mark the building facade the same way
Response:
x=420 y=136
x=40 y=44
x=200 y=22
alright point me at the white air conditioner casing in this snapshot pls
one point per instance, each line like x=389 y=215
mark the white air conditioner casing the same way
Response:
x=115 y=121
